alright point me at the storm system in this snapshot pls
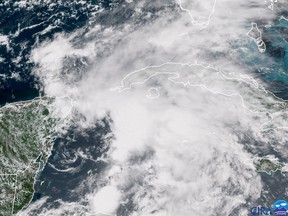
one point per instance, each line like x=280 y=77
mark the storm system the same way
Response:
x=164 y=109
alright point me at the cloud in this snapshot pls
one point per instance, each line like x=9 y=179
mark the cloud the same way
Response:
x=106 y=200
x=180 y=153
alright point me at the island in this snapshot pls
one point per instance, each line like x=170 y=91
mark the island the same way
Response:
x=267 y=165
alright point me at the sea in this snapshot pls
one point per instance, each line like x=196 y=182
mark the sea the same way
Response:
x=25 y=26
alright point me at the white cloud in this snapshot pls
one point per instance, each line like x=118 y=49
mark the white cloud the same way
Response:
x=181 y=153
x=106 y=200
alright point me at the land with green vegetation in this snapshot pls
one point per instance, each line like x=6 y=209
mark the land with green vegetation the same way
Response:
x=267 y=165
x=26 y=137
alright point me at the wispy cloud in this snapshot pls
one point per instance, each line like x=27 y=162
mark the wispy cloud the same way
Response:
x=177 y=154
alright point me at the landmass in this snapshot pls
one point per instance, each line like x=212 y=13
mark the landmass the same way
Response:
x=267 y=165
x=26 y=138
x=255 y=34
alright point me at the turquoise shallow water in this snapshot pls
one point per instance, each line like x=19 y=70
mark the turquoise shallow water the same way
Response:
x=60 y=183
x=277 y=50
x=272 y=65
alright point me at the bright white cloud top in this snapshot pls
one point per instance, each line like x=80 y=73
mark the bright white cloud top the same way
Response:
x=184 y=152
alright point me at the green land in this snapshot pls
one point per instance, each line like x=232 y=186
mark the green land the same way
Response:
x=26 y=130
x=268 y=166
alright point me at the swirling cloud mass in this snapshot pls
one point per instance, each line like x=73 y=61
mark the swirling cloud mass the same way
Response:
x=186 y=114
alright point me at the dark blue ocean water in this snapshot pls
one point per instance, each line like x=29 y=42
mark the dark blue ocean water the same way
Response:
x=71 y=167
x=272 y=66
x=72 y=161
x=23 y=26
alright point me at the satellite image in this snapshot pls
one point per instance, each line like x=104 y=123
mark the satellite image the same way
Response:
x=143 y=107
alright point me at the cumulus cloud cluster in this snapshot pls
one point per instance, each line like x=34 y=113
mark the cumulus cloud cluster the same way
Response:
x=178 y=151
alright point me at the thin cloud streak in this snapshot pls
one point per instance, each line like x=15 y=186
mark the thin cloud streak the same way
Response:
x=177 y=154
